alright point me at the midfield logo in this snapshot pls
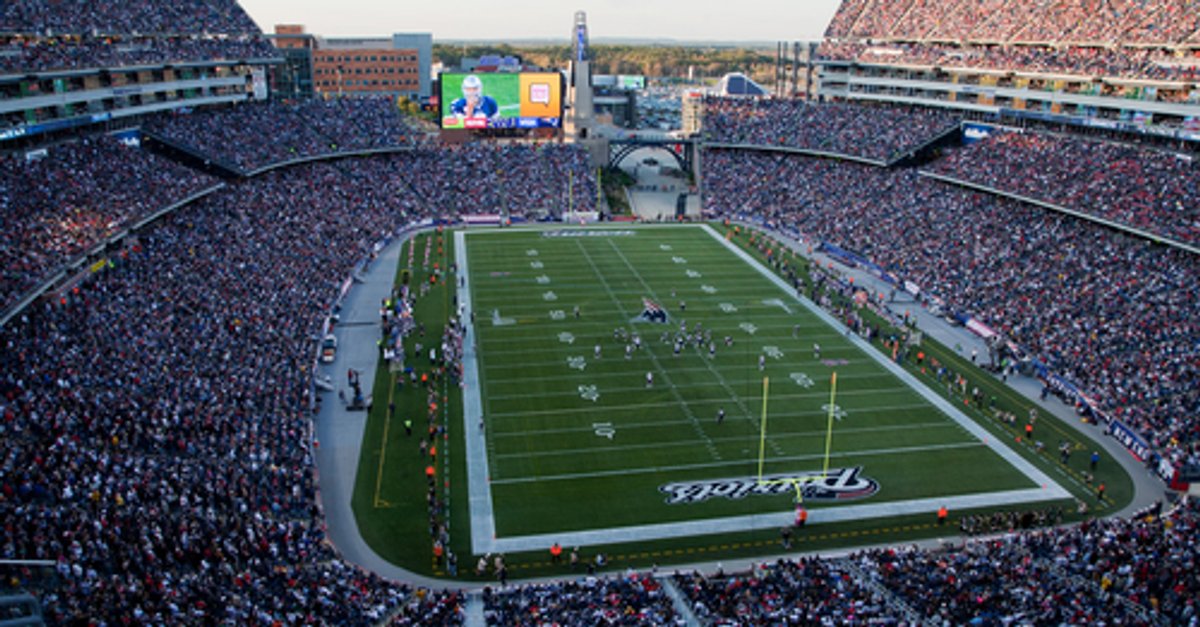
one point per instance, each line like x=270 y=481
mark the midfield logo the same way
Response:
x=653 y=312
x=840 y=484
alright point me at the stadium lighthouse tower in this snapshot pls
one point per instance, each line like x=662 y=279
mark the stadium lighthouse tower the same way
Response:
x=581 y=123
x=583 y=113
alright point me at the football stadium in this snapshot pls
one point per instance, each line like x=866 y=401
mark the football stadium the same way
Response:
x=915 y=340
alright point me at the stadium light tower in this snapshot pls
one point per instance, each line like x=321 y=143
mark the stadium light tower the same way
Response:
x=582 y=107
x=581 y=37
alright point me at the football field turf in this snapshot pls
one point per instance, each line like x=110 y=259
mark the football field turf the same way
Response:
x=568 y=441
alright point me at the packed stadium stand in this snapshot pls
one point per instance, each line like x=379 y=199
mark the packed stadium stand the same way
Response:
x=1152 y=190
x=1113 y=313
x=877 y=134
x=40 y=36
x=255 y=135
x=156 y=408
x=1112 y=63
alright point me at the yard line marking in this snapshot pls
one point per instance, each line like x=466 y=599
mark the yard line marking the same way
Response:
x=696 y=386
x=948 y=408
x=666 y=378
x=782 y=434
x=606 y=449
x=601 y=375
x=740 y=462
x=718 y=399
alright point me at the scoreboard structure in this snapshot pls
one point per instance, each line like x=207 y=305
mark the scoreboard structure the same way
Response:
x=482 y=101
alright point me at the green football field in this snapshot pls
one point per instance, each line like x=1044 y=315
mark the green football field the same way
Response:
x=568 y=440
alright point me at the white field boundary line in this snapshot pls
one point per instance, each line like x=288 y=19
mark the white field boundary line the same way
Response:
x=692 y=443
x=484 y=540
x=748 y=463
x=479 y=493
x=607 y=341
x=757 y=522
x=666 y=378
x=948 y=408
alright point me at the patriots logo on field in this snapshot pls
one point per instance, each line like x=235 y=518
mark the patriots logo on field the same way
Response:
x=653 y=312
x=835 y=484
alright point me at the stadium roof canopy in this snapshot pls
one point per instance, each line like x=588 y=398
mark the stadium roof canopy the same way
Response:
x=738 y=84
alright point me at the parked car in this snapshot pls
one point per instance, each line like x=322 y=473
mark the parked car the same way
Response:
x=329 y=348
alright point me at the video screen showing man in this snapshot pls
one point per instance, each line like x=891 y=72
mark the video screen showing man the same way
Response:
x=474 y=104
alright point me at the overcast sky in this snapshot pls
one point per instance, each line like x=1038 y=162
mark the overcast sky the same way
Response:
x=696 y=20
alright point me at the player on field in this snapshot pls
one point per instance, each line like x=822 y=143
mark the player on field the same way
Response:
x=597 y=351
x=649 y=379
x=816 y=351
x=720 y=415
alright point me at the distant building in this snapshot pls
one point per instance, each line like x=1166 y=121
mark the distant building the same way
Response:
x=692 y=112
x=347 y=66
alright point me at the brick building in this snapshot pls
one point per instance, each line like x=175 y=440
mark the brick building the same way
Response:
x=346 y=66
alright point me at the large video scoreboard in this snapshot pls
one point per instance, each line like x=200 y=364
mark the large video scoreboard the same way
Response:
x=492 y=101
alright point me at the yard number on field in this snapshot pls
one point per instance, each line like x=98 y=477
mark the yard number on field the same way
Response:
x=578 y=363
x=802 y=379
x=536 y=265
x=728 y=308
x=566 y=337
x=692 y=274
x=604 y=429
x=558 y=314
x=588 y=393
x=836 y=410
x=678 y=259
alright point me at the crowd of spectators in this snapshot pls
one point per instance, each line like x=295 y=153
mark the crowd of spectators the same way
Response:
x=125 y=17
x=83 y=34
x=1066 y=21
x=1154 y=191
x=1113 y=313
x=58 y=203
x=252 y=135
x=788 y=592
x=505 y=178
x=1114 y=38
x=875 y=133
x=1143 y=63
x=156 y=423
x=23 y=54
x=629 y=599
x=1117 y=571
